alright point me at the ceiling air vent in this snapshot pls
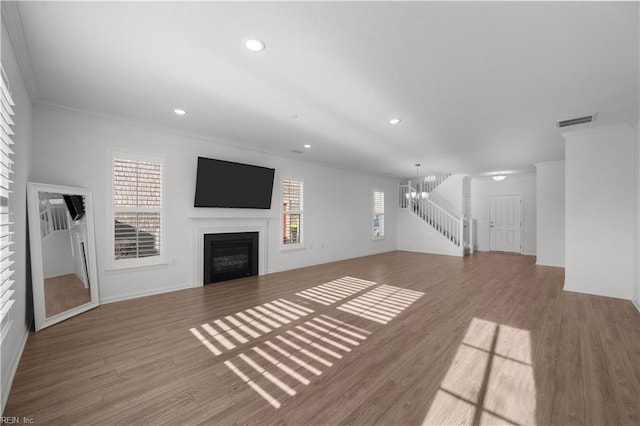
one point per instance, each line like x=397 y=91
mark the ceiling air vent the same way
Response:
x=297 y=151
x=578 y=120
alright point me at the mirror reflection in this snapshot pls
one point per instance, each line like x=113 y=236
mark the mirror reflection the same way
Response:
x=64 y=270
x=63 y=230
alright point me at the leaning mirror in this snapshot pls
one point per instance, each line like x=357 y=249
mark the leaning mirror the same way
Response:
x=63 y=258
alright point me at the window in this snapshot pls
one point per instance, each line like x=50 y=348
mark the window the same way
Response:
x=6 y=232
x=378 y=215
x=292 y=207
x=137 y=207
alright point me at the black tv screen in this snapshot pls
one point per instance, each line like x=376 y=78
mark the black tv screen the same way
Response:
x=226 y=184
x=75 y=205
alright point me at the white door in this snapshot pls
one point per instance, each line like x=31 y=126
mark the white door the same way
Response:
x=505 y=226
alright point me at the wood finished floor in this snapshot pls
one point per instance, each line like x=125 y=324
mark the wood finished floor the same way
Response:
x=63 y=293
x=493 y=340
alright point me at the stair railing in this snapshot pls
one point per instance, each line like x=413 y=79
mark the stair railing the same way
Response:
x=444 y=204
x=444 y=222
x=53 y=217
x=406 y=193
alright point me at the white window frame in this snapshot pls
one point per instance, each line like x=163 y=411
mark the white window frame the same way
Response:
x=301 y=229
x=374 y=213
x=144 y=262
x=7 y=269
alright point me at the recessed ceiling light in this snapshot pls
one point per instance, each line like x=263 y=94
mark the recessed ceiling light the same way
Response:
x=498 y=178
x=395 y=120
x=254 y=44
x=180 y=111
x=307 y=146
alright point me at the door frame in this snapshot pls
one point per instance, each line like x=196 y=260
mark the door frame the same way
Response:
x=521 y=221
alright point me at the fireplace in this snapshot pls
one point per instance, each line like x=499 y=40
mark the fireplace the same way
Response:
x=230 y=255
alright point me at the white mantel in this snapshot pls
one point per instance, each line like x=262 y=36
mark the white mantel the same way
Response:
x=221 y=223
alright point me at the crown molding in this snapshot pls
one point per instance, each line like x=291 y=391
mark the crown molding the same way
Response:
x=13 y=23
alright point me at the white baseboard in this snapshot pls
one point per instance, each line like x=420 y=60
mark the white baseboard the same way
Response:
x=323 y=261
x=636 y=304
x=127 y=296
x=13 y=369
x=572 y=289
x=549 y=264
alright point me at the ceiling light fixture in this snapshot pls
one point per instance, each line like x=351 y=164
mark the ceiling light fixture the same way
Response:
x=179 y=111
x=499 y=177
x=395 y=121
x=254 y=44
x=307 y=146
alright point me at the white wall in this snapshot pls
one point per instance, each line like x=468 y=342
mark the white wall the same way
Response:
x=71 y=148
x=466 y=196
x=57 y=258
x=636 y=296
x=451 y=192
x=414 y=234
x=21 y=312
x=601 y=190
x=550 y=213
x=484 y=187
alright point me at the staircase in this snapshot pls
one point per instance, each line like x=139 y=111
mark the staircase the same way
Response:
x=53 y=216
x=433 y=211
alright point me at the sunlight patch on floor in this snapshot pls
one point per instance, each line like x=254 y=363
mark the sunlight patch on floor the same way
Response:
x=237 y=329
x=279 y=368
x=490 y=380
x=381 y=304
x=336 y=290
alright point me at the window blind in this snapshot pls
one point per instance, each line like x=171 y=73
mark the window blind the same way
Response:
x=292 y=207
x=378 y=214
x=6 y=229
x=137 y=198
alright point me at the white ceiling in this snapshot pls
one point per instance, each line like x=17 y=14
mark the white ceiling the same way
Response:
x=479 y=86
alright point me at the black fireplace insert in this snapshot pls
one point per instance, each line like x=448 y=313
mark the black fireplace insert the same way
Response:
x=229 y=256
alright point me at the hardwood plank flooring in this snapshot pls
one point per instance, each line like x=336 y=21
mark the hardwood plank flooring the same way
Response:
x=486 y=339
x=63 y=293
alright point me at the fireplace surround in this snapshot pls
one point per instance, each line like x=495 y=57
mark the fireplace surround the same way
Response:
x=221 y=222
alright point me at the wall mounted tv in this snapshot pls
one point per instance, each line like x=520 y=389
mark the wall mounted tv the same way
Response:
x=75 y=205
x=226 y=184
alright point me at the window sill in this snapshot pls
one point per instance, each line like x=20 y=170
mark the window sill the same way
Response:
x=292 y=247
x=377 y=238
x=133 y=268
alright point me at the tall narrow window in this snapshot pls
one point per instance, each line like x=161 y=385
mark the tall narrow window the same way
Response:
x=6 y=231
x=378 y=215
x=137 y=210
x=292 y=207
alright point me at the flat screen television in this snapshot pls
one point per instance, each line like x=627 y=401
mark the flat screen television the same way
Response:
x=233 y=185
x=75 y=205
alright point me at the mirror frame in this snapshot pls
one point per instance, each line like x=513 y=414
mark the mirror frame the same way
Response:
x=37 y=267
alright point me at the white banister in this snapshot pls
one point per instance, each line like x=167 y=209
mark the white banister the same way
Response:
x=53 y=217
x=447 y=224
x=407 y=195
x=454 y=227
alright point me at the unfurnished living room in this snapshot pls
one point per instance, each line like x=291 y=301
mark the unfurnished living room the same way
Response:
x=389 y=213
